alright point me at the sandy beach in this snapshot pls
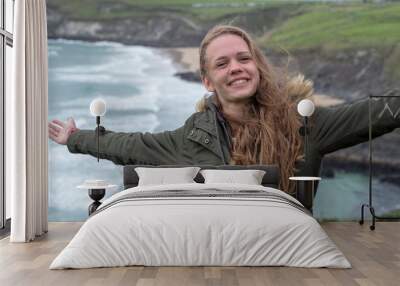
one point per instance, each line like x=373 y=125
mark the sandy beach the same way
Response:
x=187 y=60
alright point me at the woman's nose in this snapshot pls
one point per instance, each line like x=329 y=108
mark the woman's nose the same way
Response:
x=235 y=67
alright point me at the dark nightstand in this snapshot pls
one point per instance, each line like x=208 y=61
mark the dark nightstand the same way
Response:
x=96 y=191
x=305 y=190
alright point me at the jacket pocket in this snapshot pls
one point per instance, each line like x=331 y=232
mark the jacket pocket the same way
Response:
x=206 y=140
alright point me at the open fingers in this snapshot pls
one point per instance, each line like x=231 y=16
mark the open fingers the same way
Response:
x=53 y=132
x=54 y=127
x=58 y=122
x=53 y=136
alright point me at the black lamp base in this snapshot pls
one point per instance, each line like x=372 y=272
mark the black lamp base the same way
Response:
x=96 y=195
x=305 y=193
x=374 y=216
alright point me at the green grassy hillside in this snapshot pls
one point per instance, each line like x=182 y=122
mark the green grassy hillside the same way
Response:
x=336 y=27
x=105 y=9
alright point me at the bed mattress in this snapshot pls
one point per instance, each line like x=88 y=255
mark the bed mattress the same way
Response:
x=201 y=225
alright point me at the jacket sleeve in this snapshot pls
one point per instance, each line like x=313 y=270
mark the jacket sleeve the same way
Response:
x=130 y=148
x=344 y=126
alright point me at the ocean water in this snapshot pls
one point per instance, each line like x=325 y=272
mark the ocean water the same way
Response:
x=143 y=95
x=341 y=197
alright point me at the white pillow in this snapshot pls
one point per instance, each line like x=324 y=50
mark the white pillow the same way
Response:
x=248 y=177
x=163 y=176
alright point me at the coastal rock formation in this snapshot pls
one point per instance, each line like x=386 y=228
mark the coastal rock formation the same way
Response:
x=160 y=30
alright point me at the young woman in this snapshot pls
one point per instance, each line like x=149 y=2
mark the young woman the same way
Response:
x=250 y=118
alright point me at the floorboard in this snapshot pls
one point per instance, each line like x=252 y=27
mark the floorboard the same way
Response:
x=374 y=255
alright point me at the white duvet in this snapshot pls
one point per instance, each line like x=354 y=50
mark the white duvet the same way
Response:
x=217 y=231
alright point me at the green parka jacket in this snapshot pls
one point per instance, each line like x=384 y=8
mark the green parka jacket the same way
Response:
x=203 y=139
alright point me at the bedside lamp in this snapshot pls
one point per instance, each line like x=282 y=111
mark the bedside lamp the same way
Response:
x=305 y=108
x=305 y=185
x=98 y=109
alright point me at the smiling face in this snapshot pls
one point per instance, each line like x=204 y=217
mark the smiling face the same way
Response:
x=231 y=71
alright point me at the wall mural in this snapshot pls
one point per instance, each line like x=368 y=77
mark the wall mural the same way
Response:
x=142 y=60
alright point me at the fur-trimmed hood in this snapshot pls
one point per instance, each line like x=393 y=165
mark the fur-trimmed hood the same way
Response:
x=298 y=88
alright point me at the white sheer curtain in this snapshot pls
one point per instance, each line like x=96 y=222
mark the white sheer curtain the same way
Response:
x=26 y=123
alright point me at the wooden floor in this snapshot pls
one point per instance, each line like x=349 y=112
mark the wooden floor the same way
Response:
x=374 y=255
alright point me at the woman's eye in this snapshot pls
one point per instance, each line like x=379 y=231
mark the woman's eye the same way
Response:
x=245 y=59
x=221 y=64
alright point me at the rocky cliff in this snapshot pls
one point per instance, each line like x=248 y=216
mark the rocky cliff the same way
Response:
x=160 y=30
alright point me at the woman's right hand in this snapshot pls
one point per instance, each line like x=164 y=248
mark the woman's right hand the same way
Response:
x=60 y=131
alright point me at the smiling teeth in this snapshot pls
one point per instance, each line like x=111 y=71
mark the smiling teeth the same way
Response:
x=240 y=81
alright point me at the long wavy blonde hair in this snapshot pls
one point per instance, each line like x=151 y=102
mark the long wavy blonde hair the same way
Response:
x=269 y=133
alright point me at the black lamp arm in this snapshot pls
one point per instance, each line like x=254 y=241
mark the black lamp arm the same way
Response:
x=100 y=130
x=307 y=132
x=98 y=137
x=304 y=132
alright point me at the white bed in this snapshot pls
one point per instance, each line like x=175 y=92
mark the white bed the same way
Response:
x=256 y=226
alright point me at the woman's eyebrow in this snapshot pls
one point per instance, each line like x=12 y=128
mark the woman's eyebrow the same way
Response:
x=221 y=58
x=247 y=53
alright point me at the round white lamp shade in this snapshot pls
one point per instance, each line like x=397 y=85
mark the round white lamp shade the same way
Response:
x=305 y=107
x=98 y=107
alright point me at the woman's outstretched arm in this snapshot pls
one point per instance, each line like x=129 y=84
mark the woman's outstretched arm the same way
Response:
x=119 y=147
x=339 y=127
